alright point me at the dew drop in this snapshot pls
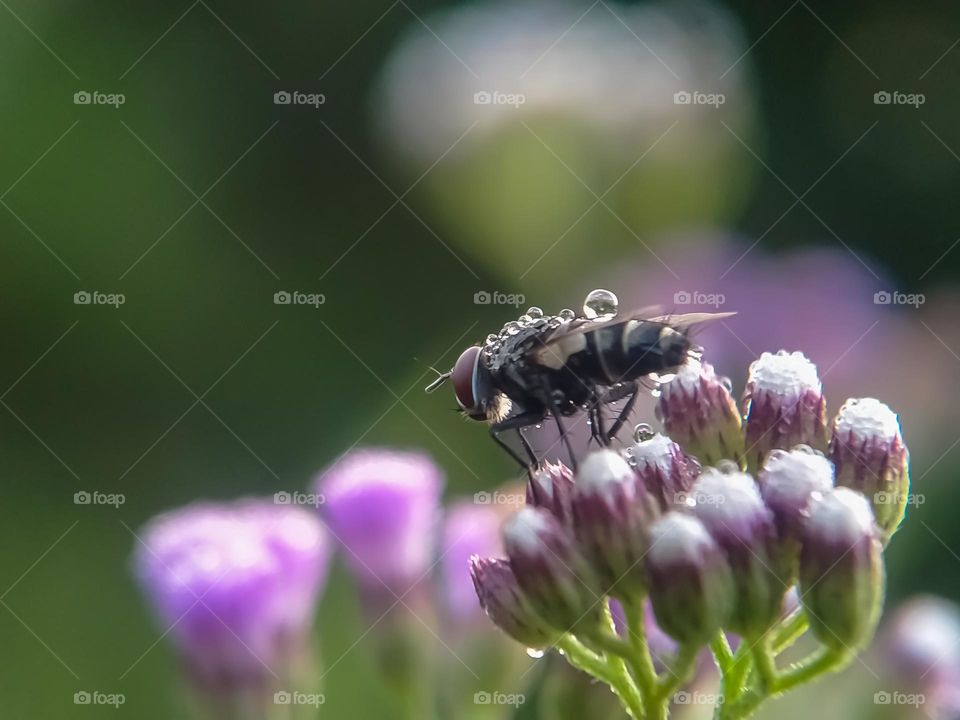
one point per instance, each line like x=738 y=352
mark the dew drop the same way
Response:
x=600 y=303
x=727 y=384
x=642 y=432
x=535 y=312
x=567 y=314
x=525 y=319
x=535 y=653
x=727 y=467
x=512 y=327
x=491 y=338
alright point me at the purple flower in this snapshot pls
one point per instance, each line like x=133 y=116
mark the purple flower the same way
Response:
x=612 y=514
x=550 y=487
x=841 y=569
x=691 y=584
x=665 y=470
x=699 y=413
x=382 y=506
x=921 y=645
x=236 y=584
x=504 y=603
x=468 y=530
x=868 y=452
x=784 y=405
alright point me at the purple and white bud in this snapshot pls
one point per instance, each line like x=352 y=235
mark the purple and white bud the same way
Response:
x=691 y=584
x=783 y=405
x=665 y=470
x=504 y=603
x=612 y=514
x=699 y=413
x=841 y=569
x=789 y=482
x=868 y=452
x=555 y=578
x=729 y=505
x=921 y=645
x=550 y=487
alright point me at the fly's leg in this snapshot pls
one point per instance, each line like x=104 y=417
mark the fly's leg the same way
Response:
x=516 y=423
x=628 y=390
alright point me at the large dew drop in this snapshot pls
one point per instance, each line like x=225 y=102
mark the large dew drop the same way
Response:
x=599 y=304
x=535 y=653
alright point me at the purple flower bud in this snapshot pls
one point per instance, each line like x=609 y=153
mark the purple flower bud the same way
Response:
x=789 y=482
x=868 y=452
x=841 y=569
x=784 y=406
x=666 y=471
x=691 y=584
x=504 y=603
x=235 y=585
x=554 y=577
x=468 y=530
x=550 y=487
x=382 y=506
x=612 y=513
x=699 y=413
x=728 y=503
x=921 y=645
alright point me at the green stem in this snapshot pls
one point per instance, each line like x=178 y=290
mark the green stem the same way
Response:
x=611 y=671
x=765 y=664
x=677 y=674
x=722 y=654
x=789 y=630
x=640 y=660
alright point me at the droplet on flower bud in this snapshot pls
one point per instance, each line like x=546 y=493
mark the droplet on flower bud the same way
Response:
x=868 y=452
x=783 y=405
x=730 y=507
x=612 y=513
x=550 y=487
x=664 y=469
x=691 y=584
x=789 y=482
x=553 y=575
x=700 y=414
x=841 y=569
x=503 y=602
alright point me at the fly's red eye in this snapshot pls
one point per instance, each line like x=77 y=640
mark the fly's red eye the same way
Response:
x=462 y=376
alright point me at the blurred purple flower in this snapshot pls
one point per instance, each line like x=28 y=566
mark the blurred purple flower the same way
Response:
x=468 y=529
x=382 y=506
x=236 y=584
x=921 y=645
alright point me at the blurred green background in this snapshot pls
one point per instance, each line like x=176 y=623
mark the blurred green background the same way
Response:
x=199 y=198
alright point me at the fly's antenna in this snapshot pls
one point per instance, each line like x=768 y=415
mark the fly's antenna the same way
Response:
x=438 y=381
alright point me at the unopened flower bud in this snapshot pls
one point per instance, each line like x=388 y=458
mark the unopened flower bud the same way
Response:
x=841 y=569
x=612 y=513
x=728 y=503
x=783 y=405
x=550 y=486
x=700 y=414
x=503 y=602
x=553 y=575
x=789 y=482
x=665 y=470
x=868 y=452
x=691 y=584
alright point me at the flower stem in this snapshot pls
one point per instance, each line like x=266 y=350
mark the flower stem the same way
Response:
x=722 y=654
x=611 y=671
x=789 y=630
x=640 y=660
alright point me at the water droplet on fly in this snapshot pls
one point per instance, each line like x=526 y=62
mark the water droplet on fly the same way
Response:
x=642 y=432
x=534 y=653
x=727 y=384
x=512 y=327
x=535 y=312
x=525 y=319
x=491 y=338
x=567 y=314
x=600 y=303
